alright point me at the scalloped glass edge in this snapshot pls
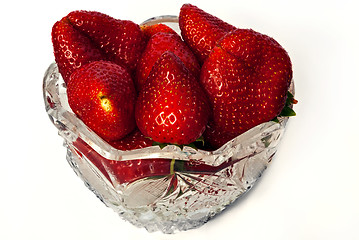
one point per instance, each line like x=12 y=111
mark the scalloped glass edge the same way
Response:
x=249 y=152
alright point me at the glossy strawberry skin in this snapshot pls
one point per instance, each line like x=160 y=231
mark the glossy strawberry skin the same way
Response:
x=156 y=46
x=122 y=41
x=72 y=49
x=134 y=140
x=201 y=30
x=150 y=30
x=102 y=95
x=246 y=76
x=172 y=107
x=215 y=137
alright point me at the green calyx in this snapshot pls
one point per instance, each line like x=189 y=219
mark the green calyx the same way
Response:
x=287 y=110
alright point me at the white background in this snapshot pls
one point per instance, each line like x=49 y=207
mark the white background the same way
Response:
x=310 y=190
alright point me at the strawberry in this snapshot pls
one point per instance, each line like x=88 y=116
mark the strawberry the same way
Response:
x=172 y=107
x=150 y=30
x=215 y=137
x=247 y=77
x=201 y=30
x=122 y=41
x=135 y=140
x=72 y=49
x=156 y=46
x=102 y=95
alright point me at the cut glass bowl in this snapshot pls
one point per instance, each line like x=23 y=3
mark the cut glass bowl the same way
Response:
x=179 y=200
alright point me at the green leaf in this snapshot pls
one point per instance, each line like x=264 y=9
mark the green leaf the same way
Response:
x=290 y=98
x=287 y=112
x=200 y=140
x=161 y=145
x=192 y=145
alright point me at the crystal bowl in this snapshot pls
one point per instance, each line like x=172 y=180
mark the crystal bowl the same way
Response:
x=178 y=199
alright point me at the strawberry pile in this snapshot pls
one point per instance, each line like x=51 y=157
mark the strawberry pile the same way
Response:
x=136 y=86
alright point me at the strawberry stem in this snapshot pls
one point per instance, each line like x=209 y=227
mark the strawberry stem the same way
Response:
x=172 y=166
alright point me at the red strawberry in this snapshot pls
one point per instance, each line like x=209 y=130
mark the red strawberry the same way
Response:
x=134 y=140
x=247 y=77
x=150 y=30
x=156 y=46
x=172 y=107
x=201 y=30
x=102 y=95
x=72 y=49
x=216 y=137
x=121 y=40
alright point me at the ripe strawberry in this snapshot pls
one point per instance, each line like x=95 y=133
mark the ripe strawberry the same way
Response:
x=156 y=46
x=201 y=30
x=215 y=137
x=172 y=107
x=122 y=41
x=72 y=49
x=246 y=76
x=135 y=140
x=102 y=95
x=150 y=30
